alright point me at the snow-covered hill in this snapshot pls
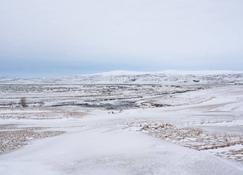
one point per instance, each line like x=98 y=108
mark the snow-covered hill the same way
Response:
x=128 y=77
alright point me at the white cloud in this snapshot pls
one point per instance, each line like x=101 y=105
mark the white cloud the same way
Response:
x=181 y=32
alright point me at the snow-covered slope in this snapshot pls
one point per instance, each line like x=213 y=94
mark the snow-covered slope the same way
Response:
x=105 y=142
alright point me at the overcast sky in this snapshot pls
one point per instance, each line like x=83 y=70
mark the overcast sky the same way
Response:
x=82 y=36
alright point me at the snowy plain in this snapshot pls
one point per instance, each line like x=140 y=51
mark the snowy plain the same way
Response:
x=102 y=124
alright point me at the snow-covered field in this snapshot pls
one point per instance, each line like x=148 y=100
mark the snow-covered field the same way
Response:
x=123 y=123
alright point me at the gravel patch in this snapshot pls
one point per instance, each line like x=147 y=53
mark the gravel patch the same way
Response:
x=14 y=138
x=194 y=138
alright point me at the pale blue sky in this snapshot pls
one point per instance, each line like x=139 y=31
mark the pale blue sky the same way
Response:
x=47 y=37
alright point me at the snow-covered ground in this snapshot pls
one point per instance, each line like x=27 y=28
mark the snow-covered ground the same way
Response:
x=121 y=129
x=128 y=77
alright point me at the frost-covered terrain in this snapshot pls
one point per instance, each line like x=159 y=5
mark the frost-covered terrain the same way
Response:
x=126 y=77
x=123 y=123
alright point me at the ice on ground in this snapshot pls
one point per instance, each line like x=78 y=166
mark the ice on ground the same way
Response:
x=119 y=152
x=199 y=110
x=193 y=138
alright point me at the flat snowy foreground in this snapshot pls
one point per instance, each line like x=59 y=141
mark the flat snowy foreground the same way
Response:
x=101 y=145
x=135 y=129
